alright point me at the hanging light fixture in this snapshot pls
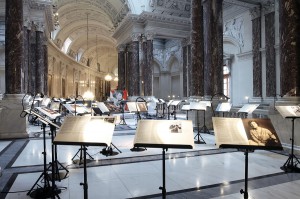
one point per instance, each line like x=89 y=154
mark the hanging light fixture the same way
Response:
x=87 y=37
x=108 y=77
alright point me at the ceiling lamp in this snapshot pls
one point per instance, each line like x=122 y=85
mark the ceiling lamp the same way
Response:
x=108 y=77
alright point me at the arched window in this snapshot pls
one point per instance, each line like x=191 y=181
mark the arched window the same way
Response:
x=226 y=80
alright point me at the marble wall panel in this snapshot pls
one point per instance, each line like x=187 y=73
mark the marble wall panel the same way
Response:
x=148 y=70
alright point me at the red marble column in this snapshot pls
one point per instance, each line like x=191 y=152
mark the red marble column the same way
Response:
x=213 y=47
x=256 y=45
x=197 y=65
x=133 y=69
x=40 y=76
x=121 y=67
x=289 y=26
x=270 y=54
x=148 y=70
x=14 y=47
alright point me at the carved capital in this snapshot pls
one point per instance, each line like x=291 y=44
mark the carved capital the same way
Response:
x=135 y=36
x=121 y=48
x=269 y=7
x=185 y=41
x=39 y=26
x=255 y=12
x=149 y=35
x=27 y=23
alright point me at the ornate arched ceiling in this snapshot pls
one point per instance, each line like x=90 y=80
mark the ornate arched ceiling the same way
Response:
x=89 y=25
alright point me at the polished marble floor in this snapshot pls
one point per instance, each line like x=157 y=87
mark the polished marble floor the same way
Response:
x=202 y=172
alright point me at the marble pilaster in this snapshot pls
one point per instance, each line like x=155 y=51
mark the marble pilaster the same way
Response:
x=289 y=27
x=148 y=70
x=213 y=47
x=32 y=60
x=143 y=63
x=256 y=45
x=121 y=67
x=39 y=78
x=134 y=75
x=197 y=65
x=270 y=55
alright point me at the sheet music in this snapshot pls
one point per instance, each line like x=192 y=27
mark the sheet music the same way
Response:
x=102 y=107
x=289 y=111
x=198 y=106
x=175 y=102
x=160 y=133
x=223 y=107
x=229 y=131
x=185 y=107
x=248 y=108
x=89 y=130
x=48 y=112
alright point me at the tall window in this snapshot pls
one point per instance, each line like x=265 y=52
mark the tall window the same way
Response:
x=226 y=80
x=66 y=45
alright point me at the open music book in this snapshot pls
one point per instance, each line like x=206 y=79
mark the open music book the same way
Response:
x=164 y=133
x=289 y=111
x=49 y=112
x=245 y=133
x=137 y=106
x=88 y=130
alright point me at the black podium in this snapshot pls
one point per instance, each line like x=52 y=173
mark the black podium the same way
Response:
x=164 y=134
x=85 y=131
x=241 y=134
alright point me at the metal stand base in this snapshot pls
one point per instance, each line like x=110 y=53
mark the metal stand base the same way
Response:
x=81 y=150
x=108 y=151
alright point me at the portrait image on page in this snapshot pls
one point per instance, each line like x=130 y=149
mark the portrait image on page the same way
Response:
x=260 y=132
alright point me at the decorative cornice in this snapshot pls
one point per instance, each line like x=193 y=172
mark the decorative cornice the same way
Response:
x=245 y=55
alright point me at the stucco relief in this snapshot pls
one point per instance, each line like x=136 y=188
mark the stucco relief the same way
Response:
x=235 y=28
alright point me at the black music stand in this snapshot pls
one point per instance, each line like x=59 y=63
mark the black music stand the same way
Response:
x=223 y=107
x=164 y=134
x=122 y=105
x=46 y=190
x=290 y=112
x=240 y=138
x=199 y=106
x=186 y=107
x=83 y=131
x=247 y=109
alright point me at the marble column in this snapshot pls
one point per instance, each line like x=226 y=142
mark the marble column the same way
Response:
x=32 y=60
x=189 y=75
x=14 y=47
x=11 y=124
x=148 y=70
x=213 y=47
x=270 y=51
x=197 y=65
x=26 y=31
x=256 y=45
x=143 y=63
x=45 y=50
x=134 y=75
x=185 y=67
x=121 y=67
x=289 y=26
x=40 y=76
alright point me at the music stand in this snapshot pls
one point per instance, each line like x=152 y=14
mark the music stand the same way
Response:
x=186 y=108
x=239 y=137
x=290 y=112
x=122 y=104
x=164 y=134
x=199 y=106
x=53 y=115
x=82 y=131
x=46 y=190
x=159 y=104
x=223 y=107
x=173 y=103
x=248 y=109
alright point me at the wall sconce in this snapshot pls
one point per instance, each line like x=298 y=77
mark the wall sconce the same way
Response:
x=108 y=77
